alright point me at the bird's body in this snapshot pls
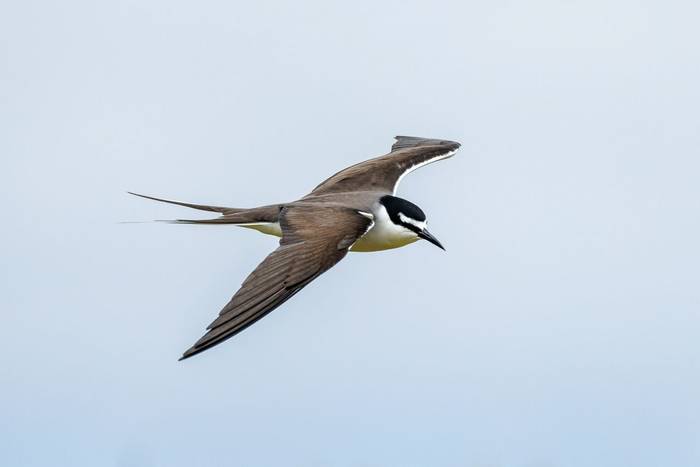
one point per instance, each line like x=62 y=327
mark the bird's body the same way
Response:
x=354 y=210
x=383 y=235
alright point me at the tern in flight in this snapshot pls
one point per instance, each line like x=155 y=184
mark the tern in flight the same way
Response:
x=354 y=210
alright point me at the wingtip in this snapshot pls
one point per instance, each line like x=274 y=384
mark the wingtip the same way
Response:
x=191 y=352
x=403 y=141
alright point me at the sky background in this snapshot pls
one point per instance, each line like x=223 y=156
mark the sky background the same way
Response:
x=560 y=329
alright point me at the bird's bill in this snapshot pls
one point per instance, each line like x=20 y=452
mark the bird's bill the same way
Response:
x=425 y=235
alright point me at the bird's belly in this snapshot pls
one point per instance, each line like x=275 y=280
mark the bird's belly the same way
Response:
x=380 y=238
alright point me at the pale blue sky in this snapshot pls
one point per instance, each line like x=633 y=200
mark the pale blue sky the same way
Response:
x=560 y=329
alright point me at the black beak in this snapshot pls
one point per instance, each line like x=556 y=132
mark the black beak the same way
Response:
x=424 y=234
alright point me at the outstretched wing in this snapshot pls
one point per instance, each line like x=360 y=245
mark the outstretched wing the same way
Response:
x=313 y=240
x=384 y=173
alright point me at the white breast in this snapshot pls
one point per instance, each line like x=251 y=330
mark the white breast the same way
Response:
x=384 y=234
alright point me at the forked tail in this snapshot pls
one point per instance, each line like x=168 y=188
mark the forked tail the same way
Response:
x=263 y=214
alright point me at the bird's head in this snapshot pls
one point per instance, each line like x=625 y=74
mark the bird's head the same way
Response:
x=406 y=215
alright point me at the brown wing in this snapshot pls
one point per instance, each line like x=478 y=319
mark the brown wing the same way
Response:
x=313 y=240
x=384 y=173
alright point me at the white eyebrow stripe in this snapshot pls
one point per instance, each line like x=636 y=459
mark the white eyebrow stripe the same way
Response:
x=420 y=224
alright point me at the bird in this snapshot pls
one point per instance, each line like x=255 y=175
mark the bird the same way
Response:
x=354 y=210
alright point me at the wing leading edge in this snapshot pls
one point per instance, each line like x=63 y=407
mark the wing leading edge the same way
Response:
x=383 y=174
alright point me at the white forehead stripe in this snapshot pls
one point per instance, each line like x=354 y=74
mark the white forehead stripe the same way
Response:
x=420 y=224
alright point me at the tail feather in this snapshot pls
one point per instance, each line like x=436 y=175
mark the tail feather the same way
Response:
x=201 y=207
x=263 y=214
x=218 y=220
